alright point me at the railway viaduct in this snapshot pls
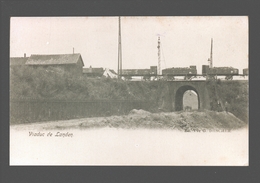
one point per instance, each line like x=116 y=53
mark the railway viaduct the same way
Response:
x=173 y=97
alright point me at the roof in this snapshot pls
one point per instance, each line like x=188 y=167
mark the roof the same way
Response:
x=18 y=60
x=93 y=70
x=98 y=70
x=111 y=70
x=54 y=59
x=110 y=73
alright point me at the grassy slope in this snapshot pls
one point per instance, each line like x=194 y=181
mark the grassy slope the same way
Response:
x=235 y=93
x=52 y=83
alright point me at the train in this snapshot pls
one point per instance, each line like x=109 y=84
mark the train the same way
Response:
x=187 y=72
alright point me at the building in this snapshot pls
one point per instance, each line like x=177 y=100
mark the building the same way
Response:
x=70 y=63
x=93 y=72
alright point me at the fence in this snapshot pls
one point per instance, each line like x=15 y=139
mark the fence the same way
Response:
x=22 y=111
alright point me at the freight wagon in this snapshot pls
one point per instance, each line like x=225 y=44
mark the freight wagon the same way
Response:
x=245 y=72
x=187 y=72
x=145 y=73
x=212 y=73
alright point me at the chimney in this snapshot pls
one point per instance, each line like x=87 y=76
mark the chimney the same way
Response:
x=24 y=55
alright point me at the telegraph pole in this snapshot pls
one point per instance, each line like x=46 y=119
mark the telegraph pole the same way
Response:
x=159 y=56
x=119 y=70
x=211 y=55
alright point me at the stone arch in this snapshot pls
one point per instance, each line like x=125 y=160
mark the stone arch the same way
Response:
x=178 y=102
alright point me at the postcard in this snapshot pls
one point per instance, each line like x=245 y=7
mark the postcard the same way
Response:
x=129 y=91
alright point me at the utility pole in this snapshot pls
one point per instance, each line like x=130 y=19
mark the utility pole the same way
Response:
x=211 y=55
x=159 y=56
x=119 y=70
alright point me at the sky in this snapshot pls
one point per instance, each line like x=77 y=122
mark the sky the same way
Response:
x=185 y=40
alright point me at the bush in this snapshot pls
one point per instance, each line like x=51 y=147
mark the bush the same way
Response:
x=53 y=83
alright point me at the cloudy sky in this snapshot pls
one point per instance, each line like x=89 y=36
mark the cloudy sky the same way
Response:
x=185 y=41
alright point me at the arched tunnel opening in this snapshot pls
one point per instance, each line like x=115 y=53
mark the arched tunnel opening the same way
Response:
x=187 y=97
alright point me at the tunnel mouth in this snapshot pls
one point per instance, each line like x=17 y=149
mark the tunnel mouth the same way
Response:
x=180 y=94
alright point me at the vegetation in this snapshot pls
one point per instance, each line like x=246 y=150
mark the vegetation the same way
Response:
x=55 y=84
x=235 y=93
x=52 y=83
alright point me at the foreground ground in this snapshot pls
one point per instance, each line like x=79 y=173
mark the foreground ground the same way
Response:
x=184 y=121
x=140 y=138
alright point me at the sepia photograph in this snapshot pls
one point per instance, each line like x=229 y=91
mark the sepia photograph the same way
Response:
x=129 y=91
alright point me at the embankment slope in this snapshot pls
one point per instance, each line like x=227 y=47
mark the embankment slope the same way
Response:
x=184 y=121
